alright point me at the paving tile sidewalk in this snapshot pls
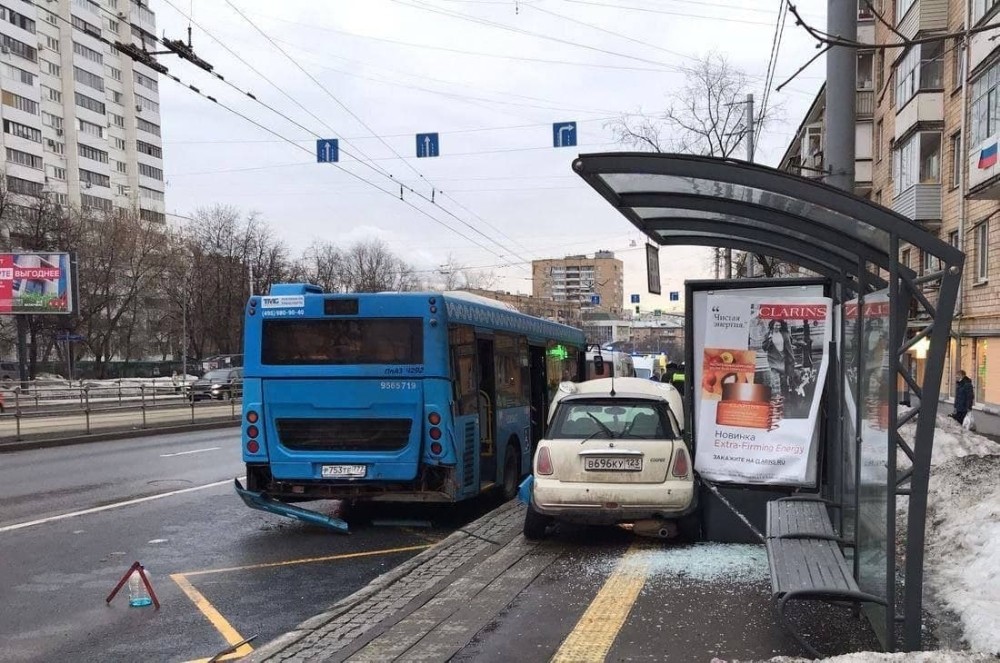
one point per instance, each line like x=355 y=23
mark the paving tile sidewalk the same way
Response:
x=411 y=601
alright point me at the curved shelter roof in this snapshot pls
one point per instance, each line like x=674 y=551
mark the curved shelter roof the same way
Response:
x=683 y=199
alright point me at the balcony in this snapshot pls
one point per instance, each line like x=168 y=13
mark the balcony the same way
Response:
x=864 y=103
x=923 y=16
x=922 y=108
x=921 y=202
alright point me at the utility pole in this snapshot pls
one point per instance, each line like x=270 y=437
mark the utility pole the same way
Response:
x=841 y=83
x=750 y=127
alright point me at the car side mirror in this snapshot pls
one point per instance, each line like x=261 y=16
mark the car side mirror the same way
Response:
x=598 y=365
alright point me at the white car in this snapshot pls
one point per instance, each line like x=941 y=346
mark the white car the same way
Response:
x=614 y=454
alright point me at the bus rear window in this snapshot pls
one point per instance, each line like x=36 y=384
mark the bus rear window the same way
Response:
x=364 y=341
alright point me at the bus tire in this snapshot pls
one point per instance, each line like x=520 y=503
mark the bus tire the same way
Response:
x=511 y=472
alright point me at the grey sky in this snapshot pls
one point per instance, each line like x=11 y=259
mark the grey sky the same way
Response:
x=494 y=115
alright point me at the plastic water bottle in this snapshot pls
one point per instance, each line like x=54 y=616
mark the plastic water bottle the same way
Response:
x=138 y=597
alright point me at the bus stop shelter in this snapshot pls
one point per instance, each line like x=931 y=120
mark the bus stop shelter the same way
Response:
x=684 y=200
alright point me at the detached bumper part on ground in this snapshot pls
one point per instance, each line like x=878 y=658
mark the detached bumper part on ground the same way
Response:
x=261 y=502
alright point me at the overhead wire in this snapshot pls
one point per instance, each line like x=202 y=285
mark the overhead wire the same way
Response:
x=361 y=121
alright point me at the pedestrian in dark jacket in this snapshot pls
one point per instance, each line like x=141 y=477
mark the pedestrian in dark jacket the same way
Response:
x=965 y=396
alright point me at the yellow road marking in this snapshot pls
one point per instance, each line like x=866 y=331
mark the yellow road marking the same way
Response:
x=308 y=560
x=595 y=632
x=212 y=615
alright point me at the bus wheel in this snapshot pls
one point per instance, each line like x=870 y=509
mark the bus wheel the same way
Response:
x=511 y=472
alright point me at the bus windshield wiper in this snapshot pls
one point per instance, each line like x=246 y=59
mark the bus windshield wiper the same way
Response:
x=607 y=430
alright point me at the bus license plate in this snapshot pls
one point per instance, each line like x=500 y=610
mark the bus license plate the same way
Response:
x=612 y=464
x=342 y=471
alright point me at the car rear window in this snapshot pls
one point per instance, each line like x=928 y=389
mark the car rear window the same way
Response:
x=616 y=418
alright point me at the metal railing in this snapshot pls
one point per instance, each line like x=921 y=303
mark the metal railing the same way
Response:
x=46 y=409
x=864 y=103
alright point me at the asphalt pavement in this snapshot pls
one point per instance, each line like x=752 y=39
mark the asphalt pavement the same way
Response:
x=72 y=520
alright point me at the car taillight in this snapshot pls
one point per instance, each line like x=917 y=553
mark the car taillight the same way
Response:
x=435 y=433
x=434 y=418
x=680 y=464
x=253 y=447
x=252 y=417
x=544 y=463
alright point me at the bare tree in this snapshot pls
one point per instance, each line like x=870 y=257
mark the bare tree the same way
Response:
x=707 y=117
x=322 y=264
x=369 y=266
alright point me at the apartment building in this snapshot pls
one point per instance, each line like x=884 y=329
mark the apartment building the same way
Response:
x=81 y=122
x=589 y=283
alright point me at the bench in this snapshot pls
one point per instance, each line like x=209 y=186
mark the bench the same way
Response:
x=805 y=559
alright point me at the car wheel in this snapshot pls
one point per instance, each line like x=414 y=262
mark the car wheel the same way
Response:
x=511 y=473
x=535 y=524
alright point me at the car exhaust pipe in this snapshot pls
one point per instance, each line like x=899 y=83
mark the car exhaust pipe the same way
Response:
x=655 y=528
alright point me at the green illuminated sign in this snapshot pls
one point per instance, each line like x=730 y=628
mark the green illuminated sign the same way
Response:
x=558 y=352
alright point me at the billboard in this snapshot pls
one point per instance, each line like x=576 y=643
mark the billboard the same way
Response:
x=763 y=363
x=36 y=283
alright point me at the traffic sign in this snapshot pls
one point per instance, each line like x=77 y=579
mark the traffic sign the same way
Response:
x=564 y=134
x=595 y=300
x=675 y=296
x=327 y=150
x=66 y=336
x=635 y=299
x=427 y=145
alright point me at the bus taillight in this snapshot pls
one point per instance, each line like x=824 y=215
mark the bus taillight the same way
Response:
x=434 y=418
x=252 y=417
x=253 y=447
x=252 y=431
x=436 y=448
x=435 y=433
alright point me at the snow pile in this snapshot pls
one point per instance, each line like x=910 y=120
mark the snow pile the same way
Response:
x=941 y=656
x=962 y=554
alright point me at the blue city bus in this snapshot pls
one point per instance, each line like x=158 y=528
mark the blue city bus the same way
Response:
x=403 y=397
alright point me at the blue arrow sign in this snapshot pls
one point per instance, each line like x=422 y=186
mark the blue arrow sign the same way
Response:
x=327 y=150
x=427 y=145
x=595 y=300
x=564 y=134
x=675 y=296
x=635 y=299
x=69 y=337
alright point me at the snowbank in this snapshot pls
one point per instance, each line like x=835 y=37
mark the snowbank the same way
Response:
x=962 y=554
x=940 y=656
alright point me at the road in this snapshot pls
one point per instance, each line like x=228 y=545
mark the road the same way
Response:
x=74 y=519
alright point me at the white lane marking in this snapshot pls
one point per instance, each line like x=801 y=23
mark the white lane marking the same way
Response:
x=193 y=451
x=158 y=541
x=116 y=505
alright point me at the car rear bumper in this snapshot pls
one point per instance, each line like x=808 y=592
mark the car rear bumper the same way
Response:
x=611 y=503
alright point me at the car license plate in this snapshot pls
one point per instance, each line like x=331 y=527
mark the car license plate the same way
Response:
x=612 y=464
x=344 y=471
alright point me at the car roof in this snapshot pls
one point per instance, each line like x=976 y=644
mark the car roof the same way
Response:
x=633 y=387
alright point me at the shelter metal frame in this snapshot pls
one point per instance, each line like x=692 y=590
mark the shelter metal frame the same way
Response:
x=705 y=201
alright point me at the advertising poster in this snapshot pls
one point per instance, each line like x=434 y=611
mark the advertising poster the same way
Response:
x=35 y=283
x=763 y=362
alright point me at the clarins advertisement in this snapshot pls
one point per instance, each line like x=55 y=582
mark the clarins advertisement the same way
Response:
x=763 y=363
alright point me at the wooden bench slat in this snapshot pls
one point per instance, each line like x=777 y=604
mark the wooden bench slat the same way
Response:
x=799 y=564
x=795 y=518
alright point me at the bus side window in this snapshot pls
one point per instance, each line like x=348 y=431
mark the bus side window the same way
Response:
x=463 y=360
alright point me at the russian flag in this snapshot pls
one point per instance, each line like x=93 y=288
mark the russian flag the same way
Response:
x=988 y=157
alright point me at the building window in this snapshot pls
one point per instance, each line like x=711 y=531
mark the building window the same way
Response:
x=922 y=68
x=146 y=104
x=54 y=121
x=85 y=27
x=117 y=120
x=879 y=70
x=878 y=197
x=20 y=20
x=88 y=5
x=956 y=159
x=953 y=239
x=980 y=358
x=904 y=259
x=151 y=150
x=95 y=202
x=90 y=104
x=53 y=94
x=55 y=146
x=150 y=215
x=19 y=48
x=957 y=63
x=120 y=143
x=982 y=251
x=113 y=25
x=52 y=43
x=18 y=74
x=20 y=103
x=931 y=263
x=49 y=17
x=91 y=129
x=981 y=8
x=88 y=53
x=24 y=158
x=917 y=160
x=148 y=127
x=123 y=189
x=116 y=97
x=150 y=194
x=94 y=179
x=878 y=141
x=88 y=152
x=24 y=187
x=150 y=171
x=984 y=112
x=865 y=65
x=122 y=167
x=22 y=131
x=56 y=172
x=146 y=81
x=51 y=68
x=902 y=6
x=85 y=77
x=115 y=73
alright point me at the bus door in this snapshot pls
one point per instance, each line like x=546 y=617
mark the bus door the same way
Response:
x=487 y=410
x=539 y=397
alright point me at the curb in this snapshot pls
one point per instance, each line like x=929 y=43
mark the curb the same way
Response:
x=281 y=642
x=27 y=445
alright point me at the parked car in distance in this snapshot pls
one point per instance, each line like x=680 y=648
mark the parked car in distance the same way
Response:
x=222 y=383
x=614 y=453
x=9 y=373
